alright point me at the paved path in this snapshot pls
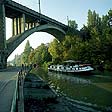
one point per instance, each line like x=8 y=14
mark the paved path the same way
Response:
x=7 y=88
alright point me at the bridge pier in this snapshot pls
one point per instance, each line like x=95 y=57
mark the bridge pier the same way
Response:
x=24 y=22
x=3 y=59
x=3 y=47
x=18 y=25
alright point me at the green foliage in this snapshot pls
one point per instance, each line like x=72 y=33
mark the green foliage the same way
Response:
x=17 y=60
x=26 y=53
x=93 y=19
x=85 y=33
x=93 y=45
x=72 y=28
x=55 y=50
x=40 y=55
x=72 y=24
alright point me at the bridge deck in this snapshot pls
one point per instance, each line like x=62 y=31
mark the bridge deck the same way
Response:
x=7 y=88
x=14 y=9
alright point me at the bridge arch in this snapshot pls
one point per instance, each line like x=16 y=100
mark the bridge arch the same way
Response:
x=15 y=41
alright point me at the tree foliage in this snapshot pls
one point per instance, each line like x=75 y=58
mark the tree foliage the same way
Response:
x=93 y=45
x=40 y=55
x=26 y=53
x=72 y=24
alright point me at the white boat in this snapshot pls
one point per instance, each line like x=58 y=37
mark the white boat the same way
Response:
x=71 y=66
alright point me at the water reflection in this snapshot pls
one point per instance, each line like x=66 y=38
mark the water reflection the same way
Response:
x=88 y=89
x=70 y=78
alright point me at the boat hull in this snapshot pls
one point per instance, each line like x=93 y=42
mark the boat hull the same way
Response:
x=72 y=68
x=75 y=73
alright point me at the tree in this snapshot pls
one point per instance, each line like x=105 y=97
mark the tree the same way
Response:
x=90 y=19
x=95 y=47
x=43 y=54
x=72 y=29
x=55 y=49
x=26 y=53
x=17 y=60
x=85 y=33
x=93 y=20
x=72 y=24
x=40 y=55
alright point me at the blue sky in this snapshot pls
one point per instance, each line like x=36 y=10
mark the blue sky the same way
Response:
x=74 y=9
x=59 y=9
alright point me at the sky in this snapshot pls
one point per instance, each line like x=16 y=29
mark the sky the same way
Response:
x=59 y=10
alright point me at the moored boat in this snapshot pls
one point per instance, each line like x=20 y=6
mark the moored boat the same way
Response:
x=71 y=66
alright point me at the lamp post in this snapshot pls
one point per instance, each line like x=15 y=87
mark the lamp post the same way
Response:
x=39 y=11
x=39 y=6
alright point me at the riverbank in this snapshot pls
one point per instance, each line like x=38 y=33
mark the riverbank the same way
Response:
x=94 y=90
x=38 y=96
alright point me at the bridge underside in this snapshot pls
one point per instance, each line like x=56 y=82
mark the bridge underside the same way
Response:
x=25 y=22
x=15 y=41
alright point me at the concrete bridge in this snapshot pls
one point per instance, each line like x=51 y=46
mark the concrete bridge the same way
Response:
x=25 y=21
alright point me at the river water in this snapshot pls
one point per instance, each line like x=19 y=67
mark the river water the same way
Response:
x=95 y=90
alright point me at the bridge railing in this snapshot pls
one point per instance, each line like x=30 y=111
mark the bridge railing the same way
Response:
x=19 y=91
x=18 y=97
x=15 y=97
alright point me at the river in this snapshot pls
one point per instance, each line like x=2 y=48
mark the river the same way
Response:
x=94 y=90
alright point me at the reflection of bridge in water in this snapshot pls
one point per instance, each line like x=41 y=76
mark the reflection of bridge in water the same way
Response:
x=25 y=21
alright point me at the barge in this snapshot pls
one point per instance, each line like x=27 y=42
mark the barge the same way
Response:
x=71 y=66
